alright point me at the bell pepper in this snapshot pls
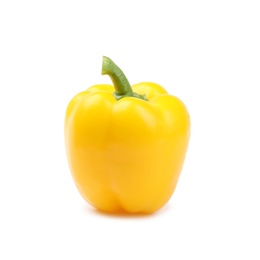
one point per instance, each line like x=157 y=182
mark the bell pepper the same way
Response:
x=126 y=145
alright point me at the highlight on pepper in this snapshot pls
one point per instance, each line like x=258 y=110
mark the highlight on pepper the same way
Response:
x=126 y=144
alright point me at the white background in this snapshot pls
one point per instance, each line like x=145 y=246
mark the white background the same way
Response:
x=205 y=52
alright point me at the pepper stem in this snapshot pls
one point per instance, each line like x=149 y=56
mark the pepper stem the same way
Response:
x=121 y=83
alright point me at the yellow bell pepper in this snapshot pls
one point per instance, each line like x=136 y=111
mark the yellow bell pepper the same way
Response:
x=126 y=145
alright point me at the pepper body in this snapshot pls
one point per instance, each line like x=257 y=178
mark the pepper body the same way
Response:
x=126 y=154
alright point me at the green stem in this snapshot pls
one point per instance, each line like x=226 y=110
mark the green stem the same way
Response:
x=121 y=84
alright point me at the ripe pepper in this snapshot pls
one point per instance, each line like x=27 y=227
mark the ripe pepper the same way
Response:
x=126 y=145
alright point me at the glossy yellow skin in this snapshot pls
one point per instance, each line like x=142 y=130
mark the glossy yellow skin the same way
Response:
x=126 y=155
